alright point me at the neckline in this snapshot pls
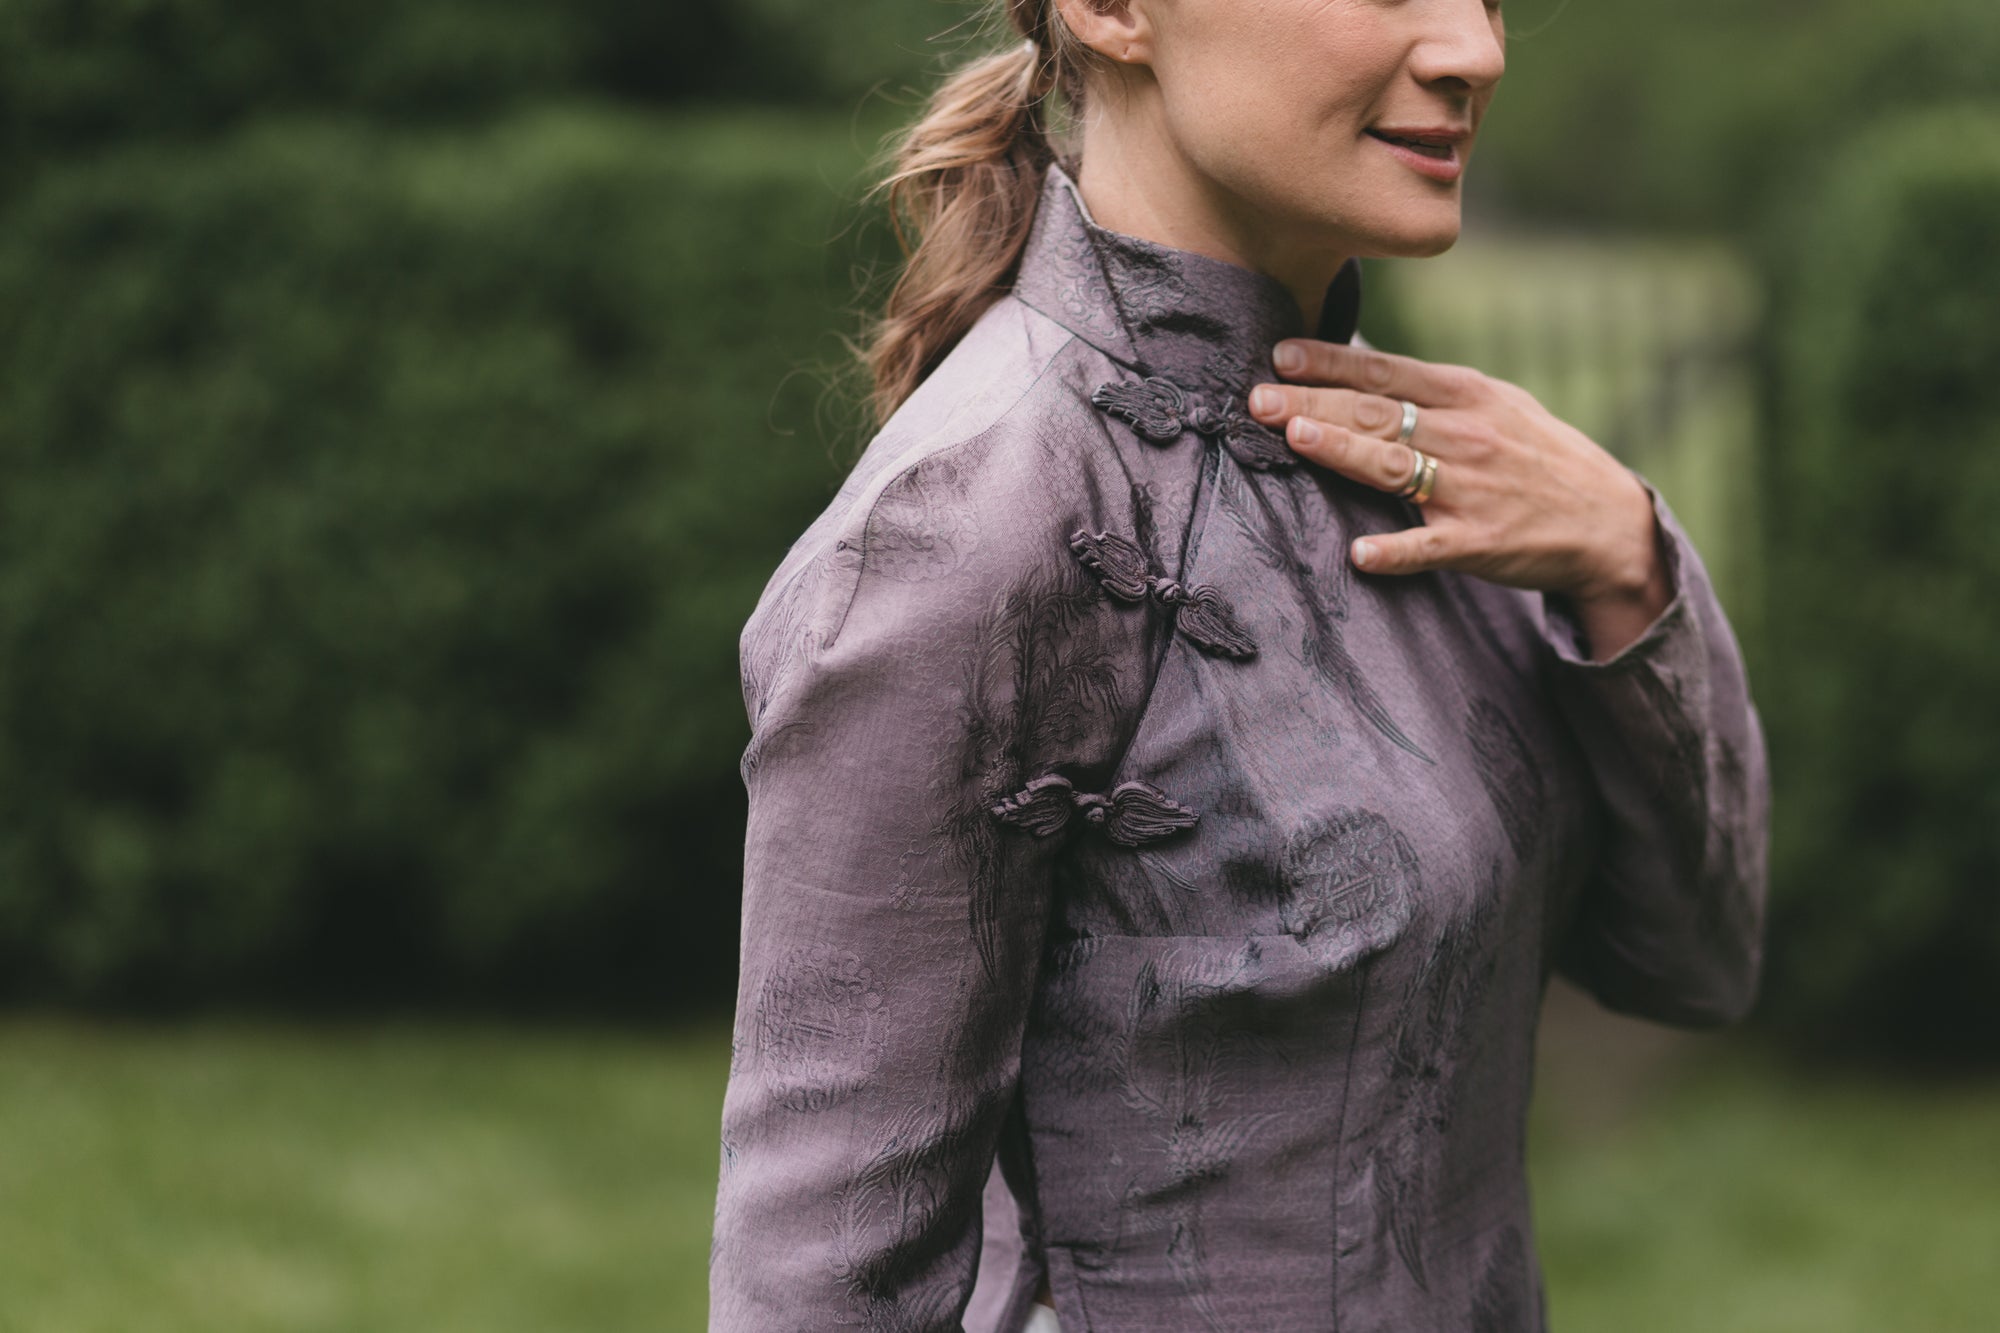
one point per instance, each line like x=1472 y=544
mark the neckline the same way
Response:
x=1203 y=322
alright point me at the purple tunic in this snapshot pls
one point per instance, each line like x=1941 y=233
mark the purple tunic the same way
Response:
x=1137 y=893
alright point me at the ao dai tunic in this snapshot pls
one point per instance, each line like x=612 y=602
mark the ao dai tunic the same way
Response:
x=1137 y=894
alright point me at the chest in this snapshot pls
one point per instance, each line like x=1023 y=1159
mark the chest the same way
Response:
x=1386 y=766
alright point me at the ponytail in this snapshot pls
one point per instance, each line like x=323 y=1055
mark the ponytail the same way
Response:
x=961 y=192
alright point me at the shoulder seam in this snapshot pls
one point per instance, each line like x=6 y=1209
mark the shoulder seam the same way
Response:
x=868 y=517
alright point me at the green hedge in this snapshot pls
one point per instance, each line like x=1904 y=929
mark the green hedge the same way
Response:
x=378 y=517
x=77 y=75
x=1884 y=594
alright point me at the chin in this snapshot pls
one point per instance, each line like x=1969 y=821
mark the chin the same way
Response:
x=1416 y=240
x=1432 y=245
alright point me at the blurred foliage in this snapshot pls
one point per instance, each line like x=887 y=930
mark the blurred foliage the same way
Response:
x=77 y=75
x=1702 y=114
x=381 y=513
x=1884 y=479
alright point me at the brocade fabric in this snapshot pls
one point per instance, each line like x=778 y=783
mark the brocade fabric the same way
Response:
x=1137 y=894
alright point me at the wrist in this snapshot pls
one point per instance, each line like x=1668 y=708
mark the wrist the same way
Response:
x=1630 y=570
x=1630 y=590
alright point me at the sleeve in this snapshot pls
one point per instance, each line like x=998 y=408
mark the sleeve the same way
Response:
x=892 y=929
x=1671 y=922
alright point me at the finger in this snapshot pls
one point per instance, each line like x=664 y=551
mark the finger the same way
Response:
x=1411 y=551
x=1383 y=374
x=1383 y=464
x=1365 y=413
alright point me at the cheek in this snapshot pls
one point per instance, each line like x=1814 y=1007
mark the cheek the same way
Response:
x=1260 y=78
x=1298 y=156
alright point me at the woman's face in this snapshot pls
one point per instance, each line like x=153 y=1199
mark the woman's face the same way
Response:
x=1335 y=124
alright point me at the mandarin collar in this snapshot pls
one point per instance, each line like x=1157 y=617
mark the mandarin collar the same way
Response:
x=1204 y=323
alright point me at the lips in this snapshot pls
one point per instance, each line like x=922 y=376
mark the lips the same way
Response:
x=1428 y=151
x=1442 y=144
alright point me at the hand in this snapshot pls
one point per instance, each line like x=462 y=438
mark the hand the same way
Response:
x=1521 y=497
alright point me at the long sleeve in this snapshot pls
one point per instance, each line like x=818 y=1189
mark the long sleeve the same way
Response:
x=892 y=924
x=1671 y=922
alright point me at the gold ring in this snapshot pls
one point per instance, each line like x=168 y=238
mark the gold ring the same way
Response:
x=1416 y=473
x=1423 y=490
x=1409 y=423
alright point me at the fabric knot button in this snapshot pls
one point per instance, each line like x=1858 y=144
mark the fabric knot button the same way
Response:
x=1161 y=411
x=1202 y=614
x=1210 y=621
x=1206 y=419
x=1118 y=562
x=1155 y=408
x=1255 y=445
x=1130 y=814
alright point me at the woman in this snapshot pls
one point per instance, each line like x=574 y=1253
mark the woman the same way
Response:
x=1172 y=783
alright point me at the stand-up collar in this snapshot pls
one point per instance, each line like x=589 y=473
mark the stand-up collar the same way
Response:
x=1202 y=322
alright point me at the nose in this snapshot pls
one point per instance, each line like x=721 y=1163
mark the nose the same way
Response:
x=1463 y=49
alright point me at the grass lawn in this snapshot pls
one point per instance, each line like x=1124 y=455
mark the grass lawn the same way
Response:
x=236 y=1179
x=432 y=1179
x=1740 y=1198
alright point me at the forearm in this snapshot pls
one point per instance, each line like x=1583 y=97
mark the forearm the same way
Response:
x=1672 y=923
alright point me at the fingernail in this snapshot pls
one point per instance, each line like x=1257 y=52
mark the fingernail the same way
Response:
x=1289 y=358
x=1266 y=401
x=1305 y=430
x=1364 y=553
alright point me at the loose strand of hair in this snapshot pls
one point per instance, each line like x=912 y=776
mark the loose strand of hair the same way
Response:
x=961 y=195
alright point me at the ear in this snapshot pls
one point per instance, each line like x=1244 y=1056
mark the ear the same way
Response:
x=1118 y=30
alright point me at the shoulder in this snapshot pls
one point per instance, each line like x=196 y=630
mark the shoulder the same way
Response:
x=970 y=491
x=958 y=483
x=970 y=429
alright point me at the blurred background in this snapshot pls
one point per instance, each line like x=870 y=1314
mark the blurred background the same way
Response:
x=404 y=404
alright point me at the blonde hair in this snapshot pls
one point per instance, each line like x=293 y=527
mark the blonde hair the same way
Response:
x=961 y=191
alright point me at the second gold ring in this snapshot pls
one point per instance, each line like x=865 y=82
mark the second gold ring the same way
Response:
x=1423 y=477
